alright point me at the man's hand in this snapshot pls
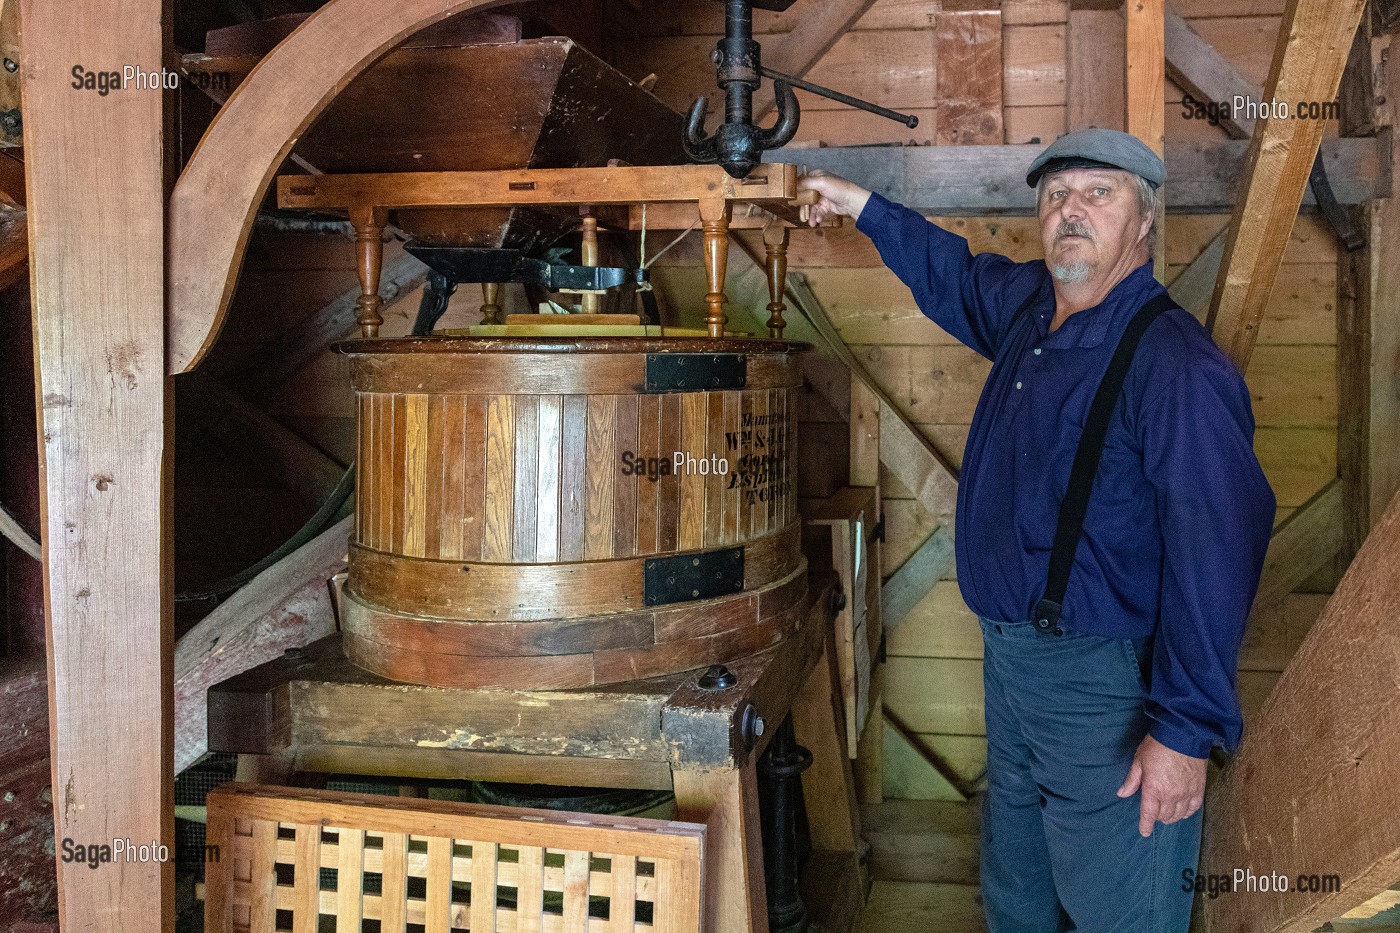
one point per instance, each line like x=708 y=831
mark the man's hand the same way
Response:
x=1173 y=785
x=838 y=196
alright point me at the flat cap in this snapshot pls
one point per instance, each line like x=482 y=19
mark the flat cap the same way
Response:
x=1098 y=148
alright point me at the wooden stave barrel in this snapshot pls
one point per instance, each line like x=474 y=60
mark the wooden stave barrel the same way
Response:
x=406 y=615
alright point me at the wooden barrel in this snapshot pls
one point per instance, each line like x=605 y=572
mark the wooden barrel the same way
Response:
x=562 y=512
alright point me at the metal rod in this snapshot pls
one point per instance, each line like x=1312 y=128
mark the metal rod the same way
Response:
x=908 y=119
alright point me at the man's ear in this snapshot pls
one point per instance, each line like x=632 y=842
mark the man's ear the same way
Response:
x=1147 y=225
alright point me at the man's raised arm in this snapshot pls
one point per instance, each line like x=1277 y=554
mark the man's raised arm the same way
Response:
x=971 y=297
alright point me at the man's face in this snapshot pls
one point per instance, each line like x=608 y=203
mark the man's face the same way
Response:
x=1090 y=221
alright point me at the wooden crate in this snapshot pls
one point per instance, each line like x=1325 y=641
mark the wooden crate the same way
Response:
x=407 y=861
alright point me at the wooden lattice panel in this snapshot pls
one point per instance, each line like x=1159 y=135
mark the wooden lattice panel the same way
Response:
x=294 y=859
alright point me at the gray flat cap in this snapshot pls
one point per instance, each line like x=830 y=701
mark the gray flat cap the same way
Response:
x=1098 y=148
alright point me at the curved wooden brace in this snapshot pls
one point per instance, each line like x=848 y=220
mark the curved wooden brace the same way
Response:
x=216 y=197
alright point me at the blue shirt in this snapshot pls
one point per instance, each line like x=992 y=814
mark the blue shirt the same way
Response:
x=1180 y=514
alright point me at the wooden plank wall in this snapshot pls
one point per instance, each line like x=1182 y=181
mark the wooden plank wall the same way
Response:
x=934 y=679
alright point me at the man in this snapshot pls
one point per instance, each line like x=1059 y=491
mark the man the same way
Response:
x=1098 y=727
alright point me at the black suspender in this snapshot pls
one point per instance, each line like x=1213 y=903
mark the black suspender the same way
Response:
x=1070 y=526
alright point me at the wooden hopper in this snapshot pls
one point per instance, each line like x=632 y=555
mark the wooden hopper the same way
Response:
x=531 y=103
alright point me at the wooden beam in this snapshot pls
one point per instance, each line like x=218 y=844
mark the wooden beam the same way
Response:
x=1202 y=72
x=620 y=184
x=217 y=196
x=1314 y=38
x=974 y=180
x=821 y=27
x=96 y=194
x=1302 y=544
x=908 y=585
x=1194 y=285
x=1312 y=789
x=968 y=57
x=1096 y=69
x=289 y=351
x=914 y=773
x=238 y=424
x=1368 y=315
x=1146 y=97
x=286 y=606
x=14 y=245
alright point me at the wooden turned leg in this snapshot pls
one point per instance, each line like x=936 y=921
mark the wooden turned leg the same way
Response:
x=589 y=252
x=714 y=219
x=775 y=242
x=726 y=800
x=369 y=250
x=491 y=302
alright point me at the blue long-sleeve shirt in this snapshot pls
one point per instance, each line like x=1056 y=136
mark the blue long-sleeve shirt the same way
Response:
x=1180 y=514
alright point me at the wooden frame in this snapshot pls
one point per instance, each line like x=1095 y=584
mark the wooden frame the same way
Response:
x=851 y=516
x=369 y=198
x=513 y=859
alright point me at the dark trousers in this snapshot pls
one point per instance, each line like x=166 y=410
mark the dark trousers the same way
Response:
x=1060 y=850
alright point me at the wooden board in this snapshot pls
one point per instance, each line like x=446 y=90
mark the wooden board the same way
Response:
x=98 y=281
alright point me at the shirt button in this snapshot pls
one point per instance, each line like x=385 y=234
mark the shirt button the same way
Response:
x=1037 y=351
x=1018 y=385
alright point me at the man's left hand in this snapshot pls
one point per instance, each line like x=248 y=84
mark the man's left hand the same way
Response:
x=1173 y=785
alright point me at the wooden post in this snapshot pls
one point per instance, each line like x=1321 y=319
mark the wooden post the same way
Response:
x=490 y=302
x=369 y=249
x=589 y=251
x=96 y=197
x=727 y=801
x=1096 y=65
x=1368 y=315
x=1146 y=106
x=818 y=715
x=714 y=218
x=775 y=243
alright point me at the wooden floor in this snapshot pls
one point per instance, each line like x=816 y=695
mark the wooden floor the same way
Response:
x=924 y=862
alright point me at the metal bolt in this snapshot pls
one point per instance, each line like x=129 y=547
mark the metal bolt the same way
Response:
x=717 y=677
x=758 y=725
x=11 y=65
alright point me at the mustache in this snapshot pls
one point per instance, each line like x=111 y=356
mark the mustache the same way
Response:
x=1073 y=228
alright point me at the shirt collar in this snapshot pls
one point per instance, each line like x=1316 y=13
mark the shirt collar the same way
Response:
x=1088 y=328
